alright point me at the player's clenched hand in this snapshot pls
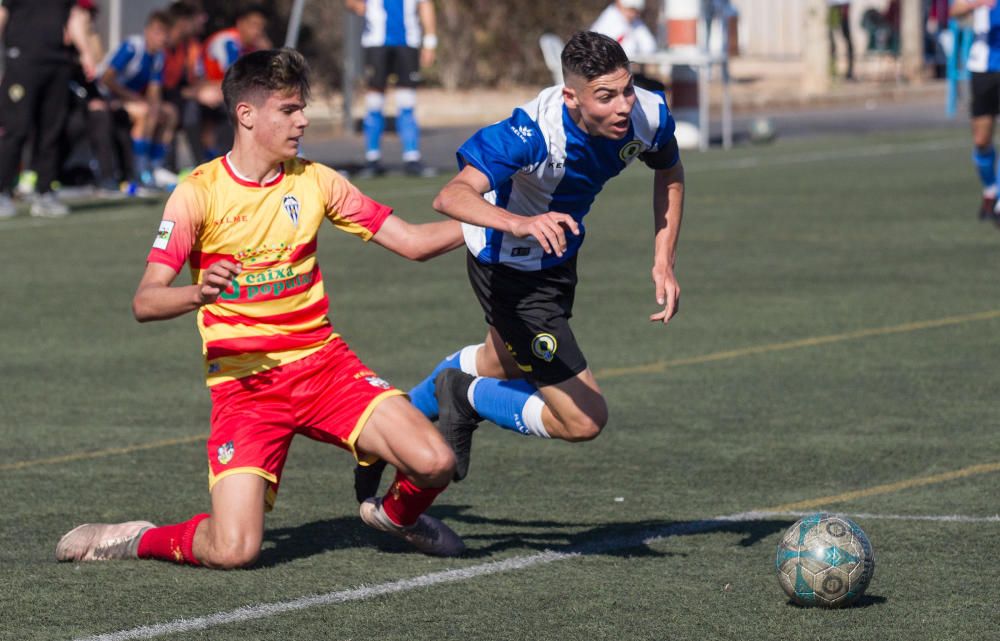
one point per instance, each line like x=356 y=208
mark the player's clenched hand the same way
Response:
x=668 y=294
x=217 y=279
x=549 y=229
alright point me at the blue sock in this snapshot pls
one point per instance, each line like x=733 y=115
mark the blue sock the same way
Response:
x=140 y=155
x=422 y=396
x=506 y=403
x=986 y=161
x=374 y=124
x=157 y=154
x=409 y=132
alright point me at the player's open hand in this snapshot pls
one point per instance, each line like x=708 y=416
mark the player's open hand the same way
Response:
x=668 y=294
x=549 y=229
x=217 y=279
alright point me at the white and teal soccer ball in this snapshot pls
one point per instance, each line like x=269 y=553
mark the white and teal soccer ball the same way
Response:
x=762 y=131
x=825 y=560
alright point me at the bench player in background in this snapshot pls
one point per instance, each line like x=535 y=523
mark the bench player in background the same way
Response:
x=133 y=77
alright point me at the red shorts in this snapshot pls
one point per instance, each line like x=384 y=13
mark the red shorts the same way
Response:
x=326 y=396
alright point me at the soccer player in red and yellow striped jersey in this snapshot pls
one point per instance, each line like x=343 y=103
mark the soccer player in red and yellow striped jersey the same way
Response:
x=247 y=223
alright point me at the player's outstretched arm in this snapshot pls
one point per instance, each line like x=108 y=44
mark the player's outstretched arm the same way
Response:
x=419 y=241
x=462 y=199
x=157 y=299
x=668 y=209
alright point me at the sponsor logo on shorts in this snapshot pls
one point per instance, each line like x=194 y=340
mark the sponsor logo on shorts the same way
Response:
x=163 y=234
x=291 y=205
x=544 y=347
x=630 y=150
x=225 y=453
x=376 y=381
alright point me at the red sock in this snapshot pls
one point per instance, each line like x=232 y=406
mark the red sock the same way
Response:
x=405 y=502
x=171 y=542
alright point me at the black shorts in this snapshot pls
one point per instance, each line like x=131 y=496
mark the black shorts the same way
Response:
x=531 y=312
x=985 y=94
x=382 y=61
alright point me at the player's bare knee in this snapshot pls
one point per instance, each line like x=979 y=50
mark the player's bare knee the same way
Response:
x=585 y=430
x=233 y=550
x=587 y=426
x=435 y=467
x=235 y=554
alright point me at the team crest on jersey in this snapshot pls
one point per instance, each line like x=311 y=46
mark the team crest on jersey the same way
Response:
x=544 y=347
x=163 y=234
x=291 y=205
x=377 y=381
x=226 y=452
x=630 y=150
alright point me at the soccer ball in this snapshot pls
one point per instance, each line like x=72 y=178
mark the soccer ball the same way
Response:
x=825 y=560
x=762 y=131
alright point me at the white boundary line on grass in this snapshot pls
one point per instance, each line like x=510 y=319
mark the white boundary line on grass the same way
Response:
x=264 y=610
x=362 y=593
x=940 y=518
x=886 y=149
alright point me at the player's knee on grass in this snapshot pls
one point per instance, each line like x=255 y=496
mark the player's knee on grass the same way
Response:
x=232 y=551
x=234 y=555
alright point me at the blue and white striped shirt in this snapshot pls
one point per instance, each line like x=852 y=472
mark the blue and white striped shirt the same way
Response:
x=135 y=67
x=985 y=52
x=539 y=160
x=391 y=23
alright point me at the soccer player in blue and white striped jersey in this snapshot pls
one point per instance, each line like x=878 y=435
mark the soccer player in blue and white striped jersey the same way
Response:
x=399 y=38
x=984 y=64
x=524 y=187
x=133 y=74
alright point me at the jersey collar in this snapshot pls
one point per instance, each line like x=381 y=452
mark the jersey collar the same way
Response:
x=246 y=182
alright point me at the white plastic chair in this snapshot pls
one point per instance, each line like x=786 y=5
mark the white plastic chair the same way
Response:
x=552 y=46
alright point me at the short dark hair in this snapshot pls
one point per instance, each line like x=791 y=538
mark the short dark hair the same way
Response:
x=255 y=75
x=590 y=55
x=160 y=16
x=250 y=9
x=181 y=10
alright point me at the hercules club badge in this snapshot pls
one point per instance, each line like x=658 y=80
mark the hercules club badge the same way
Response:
x=291 y=205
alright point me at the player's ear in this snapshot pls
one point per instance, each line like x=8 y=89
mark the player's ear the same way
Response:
x=245 y=114
x=570 y=97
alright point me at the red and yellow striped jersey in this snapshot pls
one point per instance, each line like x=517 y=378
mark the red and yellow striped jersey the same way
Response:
x=276 y=309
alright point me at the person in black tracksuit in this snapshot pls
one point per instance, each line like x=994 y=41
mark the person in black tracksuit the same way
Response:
x=33 y=92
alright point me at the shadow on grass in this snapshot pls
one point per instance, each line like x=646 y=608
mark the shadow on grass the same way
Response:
x=865 y=601
x=623 y=539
